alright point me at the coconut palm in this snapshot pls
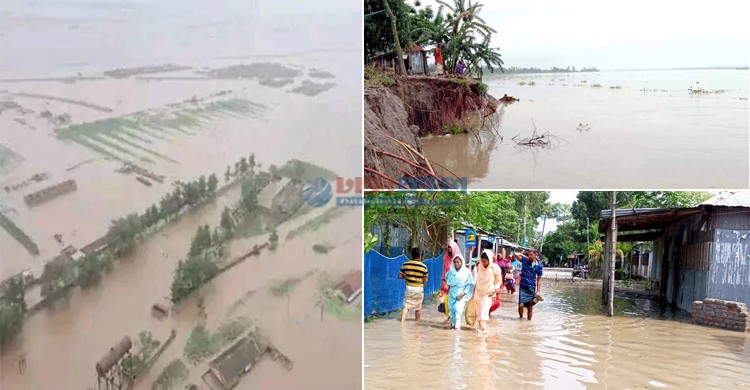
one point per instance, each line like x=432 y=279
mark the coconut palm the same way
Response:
x=463 y=35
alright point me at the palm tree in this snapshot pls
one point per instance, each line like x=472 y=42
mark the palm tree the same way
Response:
x=463 y=35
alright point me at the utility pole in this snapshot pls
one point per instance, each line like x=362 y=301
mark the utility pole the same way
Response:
x=394 y=30
x=525 y=209
x=612 y=254
x=544 y=223
x=588 y=229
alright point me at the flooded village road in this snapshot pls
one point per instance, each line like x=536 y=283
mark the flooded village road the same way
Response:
x=569 y=344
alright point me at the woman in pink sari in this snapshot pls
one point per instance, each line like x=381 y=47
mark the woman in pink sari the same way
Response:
x=450 y=253
x=489 y=280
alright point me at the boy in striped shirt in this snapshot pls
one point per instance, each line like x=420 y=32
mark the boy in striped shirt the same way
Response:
x=415 y=273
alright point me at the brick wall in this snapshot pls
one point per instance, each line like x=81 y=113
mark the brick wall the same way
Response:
x=721 y=314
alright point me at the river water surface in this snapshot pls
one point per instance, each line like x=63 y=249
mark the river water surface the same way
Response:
x=569 y=344
x=696 y=141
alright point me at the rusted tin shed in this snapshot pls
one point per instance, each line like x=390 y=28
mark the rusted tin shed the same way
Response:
x=698 y=252
x=113 y=356
x=415 y=59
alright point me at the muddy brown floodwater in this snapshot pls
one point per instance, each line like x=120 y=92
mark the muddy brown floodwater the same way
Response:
x=62 y=345
x=607 y=136
x=569 y=344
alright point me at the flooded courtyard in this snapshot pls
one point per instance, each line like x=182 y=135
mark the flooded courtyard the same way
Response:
x=569 y=344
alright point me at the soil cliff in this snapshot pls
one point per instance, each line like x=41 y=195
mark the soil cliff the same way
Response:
x=399 y=110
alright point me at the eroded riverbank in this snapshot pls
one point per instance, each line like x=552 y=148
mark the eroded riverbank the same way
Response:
x=570 y=344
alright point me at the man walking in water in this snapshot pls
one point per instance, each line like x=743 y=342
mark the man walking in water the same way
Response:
x=531 y=282
x=415 y=273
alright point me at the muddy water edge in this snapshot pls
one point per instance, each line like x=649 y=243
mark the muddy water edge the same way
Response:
x=569 y=344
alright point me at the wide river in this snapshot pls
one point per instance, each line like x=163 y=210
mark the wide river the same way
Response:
x=569 y=344
x=649 y=133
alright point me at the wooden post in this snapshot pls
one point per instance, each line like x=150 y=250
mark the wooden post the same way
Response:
x=605 y=266
x=397 y=43
x=612 y=254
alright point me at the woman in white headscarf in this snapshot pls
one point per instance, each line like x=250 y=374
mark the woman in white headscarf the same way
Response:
x=461 y=283
x=489 y=281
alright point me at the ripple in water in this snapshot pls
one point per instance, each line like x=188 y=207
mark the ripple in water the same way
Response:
x=570 y=344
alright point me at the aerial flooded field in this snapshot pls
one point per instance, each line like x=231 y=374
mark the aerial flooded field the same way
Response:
x=121 y=124
x=139 y=141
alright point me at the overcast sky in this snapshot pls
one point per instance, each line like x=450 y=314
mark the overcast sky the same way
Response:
x=619 y=35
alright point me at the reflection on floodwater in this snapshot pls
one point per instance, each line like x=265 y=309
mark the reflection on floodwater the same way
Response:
x=569 y=344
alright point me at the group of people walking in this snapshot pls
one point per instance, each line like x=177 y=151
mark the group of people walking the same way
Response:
x=478 y=286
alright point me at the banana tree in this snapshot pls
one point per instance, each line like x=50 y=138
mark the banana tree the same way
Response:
x=369 y=239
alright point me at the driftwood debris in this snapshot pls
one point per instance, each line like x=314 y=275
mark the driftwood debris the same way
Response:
x=583 y=127
x=544 y=140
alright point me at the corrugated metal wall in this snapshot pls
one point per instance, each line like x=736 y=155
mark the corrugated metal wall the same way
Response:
x=654 y=272
x=729 y=275
x=399 y=241
x=688 y=250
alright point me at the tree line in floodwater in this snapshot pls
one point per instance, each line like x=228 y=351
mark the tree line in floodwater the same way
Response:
x=62 y=274
x=204 y=255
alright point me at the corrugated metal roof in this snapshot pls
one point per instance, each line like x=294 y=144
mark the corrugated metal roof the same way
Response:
x=730 y=199
x=628 y=212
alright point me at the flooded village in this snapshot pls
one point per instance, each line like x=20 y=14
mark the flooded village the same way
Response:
x=680 y=314
x=154 y=233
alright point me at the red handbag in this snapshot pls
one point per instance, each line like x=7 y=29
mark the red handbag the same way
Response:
x=495 y=303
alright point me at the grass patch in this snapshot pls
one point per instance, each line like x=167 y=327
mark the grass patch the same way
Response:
x=317 y=222
x=375 y=78
x=454 y=129
x=202 y=344
x=283 y=288
x=9 y=160
x=19 y=235
x=172 y=376
x=337 y=307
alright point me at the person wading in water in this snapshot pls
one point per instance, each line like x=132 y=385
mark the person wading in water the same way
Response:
x=415 y=273
x=531 y=282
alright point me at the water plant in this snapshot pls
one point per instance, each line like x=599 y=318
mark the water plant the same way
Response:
x=172 y=376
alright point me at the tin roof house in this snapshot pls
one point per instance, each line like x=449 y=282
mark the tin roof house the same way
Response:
x=698 y=252
x=415 y=60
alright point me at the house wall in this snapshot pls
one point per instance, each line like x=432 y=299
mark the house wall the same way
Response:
x=685 y=256
x=657 y=256
x=729 y=272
